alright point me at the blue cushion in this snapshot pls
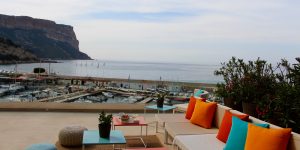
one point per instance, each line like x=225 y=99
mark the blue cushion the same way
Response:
x=198 y=93
x=238 y=134
x=41 y=146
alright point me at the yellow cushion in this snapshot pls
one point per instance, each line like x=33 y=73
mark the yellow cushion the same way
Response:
x=203 y=114
x=259 y=138
x=191 y=107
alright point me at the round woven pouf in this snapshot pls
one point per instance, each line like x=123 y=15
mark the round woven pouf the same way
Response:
x=71 y=135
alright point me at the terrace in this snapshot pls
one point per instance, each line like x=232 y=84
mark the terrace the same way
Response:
x=23 y=124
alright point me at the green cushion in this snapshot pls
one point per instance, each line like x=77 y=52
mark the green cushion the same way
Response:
x=41 y=146
x=238 y=134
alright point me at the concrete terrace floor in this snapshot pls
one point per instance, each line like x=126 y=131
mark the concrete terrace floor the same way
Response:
x=18 y=129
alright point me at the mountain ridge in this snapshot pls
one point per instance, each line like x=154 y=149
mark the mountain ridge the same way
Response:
x=44 y=38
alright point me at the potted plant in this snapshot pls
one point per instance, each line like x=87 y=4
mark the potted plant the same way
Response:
x=229 y=90
x=257 y=86
x=160 y=99
x=246 y=85
x=286 y=106
x=104 y=124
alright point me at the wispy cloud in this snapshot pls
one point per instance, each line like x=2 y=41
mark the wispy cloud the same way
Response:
x=141 y=17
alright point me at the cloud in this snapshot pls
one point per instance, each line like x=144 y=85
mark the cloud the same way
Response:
x=139 y=17
x=174 y=30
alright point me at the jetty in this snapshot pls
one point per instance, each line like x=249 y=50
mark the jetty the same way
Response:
x=69 y=97
x=146 y=100
x=121 y=92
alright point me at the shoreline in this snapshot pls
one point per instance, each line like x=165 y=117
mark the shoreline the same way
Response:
x=27 y=62
x=172 y=72
x=66 y=77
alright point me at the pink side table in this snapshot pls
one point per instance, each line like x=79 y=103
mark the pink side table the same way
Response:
x=140 y=123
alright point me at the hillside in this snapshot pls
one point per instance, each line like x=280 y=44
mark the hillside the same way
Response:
x=44 y=38
x=11 y=53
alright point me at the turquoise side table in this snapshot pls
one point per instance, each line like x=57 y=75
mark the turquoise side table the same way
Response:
x=41 y=146
x=163 y=109
x=91 y=137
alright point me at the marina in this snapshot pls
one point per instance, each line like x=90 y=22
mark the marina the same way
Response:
x=87 y=94
x=44 y=87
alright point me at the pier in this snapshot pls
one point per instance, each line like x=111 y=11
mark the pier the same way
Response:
x=69 y=97
x=121 y=92
x=146 y=100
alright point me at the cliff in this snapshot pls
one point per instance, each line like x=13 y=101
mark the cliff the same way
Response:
x=12 y=53
x=44 y=38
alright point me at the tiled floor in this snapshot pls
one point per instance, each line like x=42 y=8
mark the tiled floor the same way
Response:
x=20 y=129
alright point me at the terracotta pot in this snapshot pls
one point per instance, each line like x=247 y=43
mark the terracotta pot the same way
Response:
x=104 y=130
x=229 y=102
x=275 y=118
x=250 y=109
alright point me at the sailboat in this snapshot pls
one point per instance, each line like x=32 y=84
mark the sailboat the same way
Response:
x=129 y=81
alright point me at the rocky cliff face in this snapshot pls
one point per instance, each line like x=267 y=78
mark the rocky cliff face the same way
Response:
x=44 y=38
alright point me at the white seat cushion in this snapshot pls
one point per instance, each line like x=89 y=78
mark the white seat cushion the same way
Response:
x=181 y=107
x=166 y=118
x=198 y=142
x=187 y=128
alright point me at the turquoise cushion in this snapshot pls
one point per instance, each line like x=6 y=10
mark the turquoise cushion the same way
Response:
x=198 y=93
x=41 y=146
x=238 y=134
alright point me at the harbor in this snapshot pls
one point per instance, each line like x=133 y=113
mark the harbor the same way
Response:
x=30 y=87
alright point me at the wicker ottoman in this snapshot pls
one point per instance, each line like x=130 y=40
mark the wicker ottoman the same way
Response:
x=71 y=135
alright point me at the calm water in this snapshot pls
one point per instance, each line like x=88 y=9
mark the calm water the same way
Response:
x=120 y=69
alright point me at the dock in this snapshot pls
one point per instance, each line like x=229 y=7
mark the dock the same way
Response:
x=145 y=101
x=121 y=92
x=69 y=97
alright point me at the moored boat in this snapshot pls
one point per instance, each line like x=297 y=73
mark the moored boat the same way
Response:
x=108 y=94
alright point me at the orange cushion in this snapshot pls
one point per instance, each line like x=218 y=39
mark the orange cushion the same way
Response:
x=191 y=106
x=226 y=123
x=203 y=114
x=259 y=138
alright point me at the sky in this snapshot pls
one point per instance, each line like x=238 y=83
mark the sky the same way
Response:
x=178 y=31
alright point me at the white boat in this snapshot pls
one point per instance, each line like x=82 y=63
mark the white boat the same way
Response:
x=138 y=97
x=108 y=94
x=82 y=100
x=3 y=92
x=131 y=99
x=12 y=88
x=97 y=98
x=27 y=98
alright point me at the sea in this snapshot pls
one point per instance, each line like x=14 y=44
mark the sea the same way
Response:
x=194 y=73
